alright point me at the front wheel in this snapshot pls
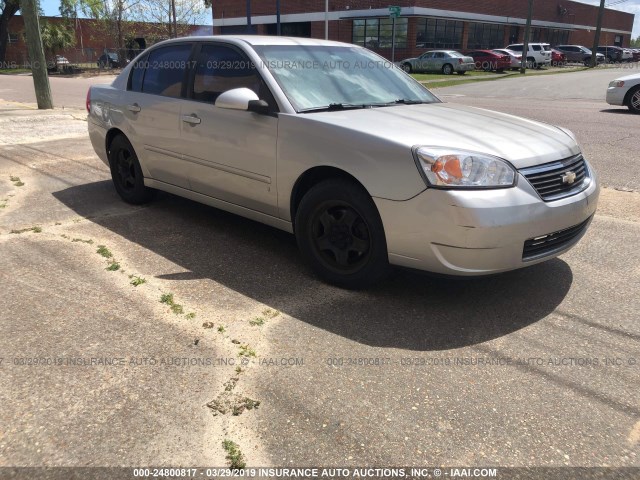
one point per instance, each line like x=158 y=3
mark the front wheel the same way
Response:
x=407 y=67
x=340 y=233
x=634 y=100
x=126 y=173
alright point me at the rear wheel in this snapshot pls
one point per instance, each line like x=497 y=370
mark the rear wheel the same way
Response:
x=340 y=233
x=634 y=100
x=407 y=67
x=447 y=69
x=126 y=173
x=531 y=63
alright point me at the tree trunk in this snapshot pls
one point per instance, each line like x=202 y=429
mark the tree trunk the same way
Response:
x=36 y=54
x=10 y=9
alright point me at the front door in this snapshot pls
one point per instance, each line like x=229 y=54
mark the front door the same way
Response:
x=232 y=153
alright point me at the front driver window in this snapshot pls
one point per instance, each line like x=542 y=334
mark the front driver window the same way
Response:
x=220 y=69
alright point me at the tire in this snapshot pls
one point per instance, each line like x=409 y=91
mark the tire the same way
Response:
x=126 y=173
x=407 y=67
x=531 y=63
x=462 y=72
x=340 y=234
x=447 y=69
x=633 y=103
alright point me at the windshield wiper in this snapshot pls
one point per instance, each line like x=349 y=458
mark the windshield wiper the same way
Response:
x=333 y=107
x=408 y=101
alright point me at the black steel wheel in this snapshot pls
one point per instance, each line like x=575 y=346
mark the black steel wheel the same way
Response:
x=126 y=173
x=340 y=233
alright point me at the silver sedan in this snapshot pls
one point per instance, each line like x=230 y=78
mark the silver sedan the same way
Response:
x=337 y=145
x=445 y=61
x=625 y=91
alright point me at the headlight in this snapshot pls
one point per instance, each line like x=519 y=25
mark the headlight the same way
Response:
x=617 y=83
x=452 y=168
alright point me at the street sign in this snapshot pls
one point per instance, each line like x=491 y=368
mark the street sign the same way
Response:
x=394 y=12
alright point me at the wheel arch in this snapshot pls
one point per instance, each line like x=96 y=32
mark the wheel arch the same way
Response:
x=108 y=140
x=631 y=91
x=311 y=177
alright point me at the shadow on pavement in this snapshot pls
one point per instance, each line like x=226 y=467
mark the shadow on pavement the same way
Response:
x=409 y=311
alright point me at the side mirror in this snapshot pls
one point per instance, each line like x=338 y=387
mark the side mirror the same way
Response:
x=241 y=99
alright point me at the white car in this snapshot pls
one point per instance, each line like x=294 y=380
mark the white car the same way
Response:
x=627 y=55
x=625 y=91
x=516 y=58
x=539 y=54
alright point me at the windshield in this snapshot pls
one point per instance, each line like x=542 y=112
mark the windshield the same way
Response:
x=321 y=76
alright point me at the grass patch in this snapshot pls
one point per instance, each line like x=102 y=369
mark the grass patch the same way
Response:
x=16 y=181
x=190 y=316
x=29 y=229
x=137 y=281
x=81 y=240
x=13 y=71
x=104 y=251
x=234 y=455
x=270 y=313
x=207 y=325
x=421 y=77
x=221 y=329
x=257 y=322
x=246 y=351
x=113 y=266
x=167 y=299
x=3 y=203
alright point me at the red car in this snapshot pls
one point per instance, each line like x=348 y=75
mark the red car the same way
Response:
x=558 y=58
x=488 y=60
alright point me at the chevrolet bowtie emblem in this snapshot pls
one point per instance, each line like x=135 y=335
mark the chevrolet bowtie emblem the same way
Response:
x=569 y=178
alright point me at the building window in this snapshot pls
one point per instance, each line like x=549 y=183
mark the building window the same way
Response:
x=485 y=35
x=377 y=33
x=558 y=37
x=438 y=33
x=13 y=38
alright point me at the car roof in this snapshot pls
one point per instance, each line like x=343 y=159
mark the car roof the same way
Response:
x=257 y=40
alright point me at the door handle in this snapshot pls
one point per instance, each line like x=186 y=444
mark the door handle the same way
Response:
x=135 y=108
x=192 y=119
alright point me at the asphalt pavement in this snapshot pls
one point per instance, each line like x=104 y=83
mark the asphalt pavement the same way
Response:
x=536 y=367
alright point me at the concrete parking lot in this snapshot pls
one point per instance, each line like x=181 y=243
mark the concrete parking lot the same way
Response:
x=536 y=367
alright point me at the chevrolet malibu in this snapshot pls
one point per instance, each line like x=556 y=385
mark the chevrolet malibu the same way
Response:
x=333 y=143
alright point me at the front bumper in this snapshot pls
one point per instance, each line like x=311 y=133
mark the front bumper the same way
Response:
x=479 y=232
x=615 y=95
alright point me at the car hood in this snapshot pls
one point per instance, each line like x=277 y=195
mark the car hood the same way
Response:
x=521 y=141
x=629 y=78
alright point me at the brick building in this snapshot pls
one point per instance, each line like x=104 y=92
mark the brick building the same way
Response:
x=428 y=24
x=92 y=39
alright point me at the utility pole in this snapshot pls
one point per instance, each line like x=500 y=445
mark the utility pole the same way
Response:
x=36 y=54
x=175 y=23
x=279 y=28
x=527 y=33
x=249 y=16
x=213 y=19
x=596 y=38
x=326 y=19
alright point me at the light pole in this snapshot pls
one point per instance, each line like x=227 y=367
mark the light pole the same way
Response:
x=525 y=47
x=326 y=19
x=248 y=16
x=279 y=31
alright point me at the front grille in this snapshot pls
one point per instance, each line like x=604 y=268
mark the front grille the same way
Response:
x=551 y=243
x=557 y=180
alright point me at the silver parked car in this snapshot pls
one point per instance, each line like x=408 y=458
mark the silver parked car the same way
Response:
x=445 y=61
x=335 y=144
x=516 y=58
x=625 y=91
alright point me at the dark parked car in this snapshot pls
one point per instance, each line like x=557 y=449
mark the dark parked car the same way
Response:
x=612 y=54
x=489 y=60
x=109 y=60
x=578 y=53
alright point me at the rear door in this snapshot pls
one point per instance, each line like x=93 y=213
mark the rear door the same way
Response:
x=231 y=153
x=157 y=85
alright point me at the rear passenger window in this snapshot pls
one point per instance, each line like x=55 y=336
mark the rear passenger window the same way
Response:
x=536 y=48
x=137 y=72
x=165 y=71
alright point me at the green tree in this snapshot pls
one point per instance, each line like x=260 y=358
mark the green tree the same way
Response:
x=8 y=8
x=635 y=43
x=56 y=37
